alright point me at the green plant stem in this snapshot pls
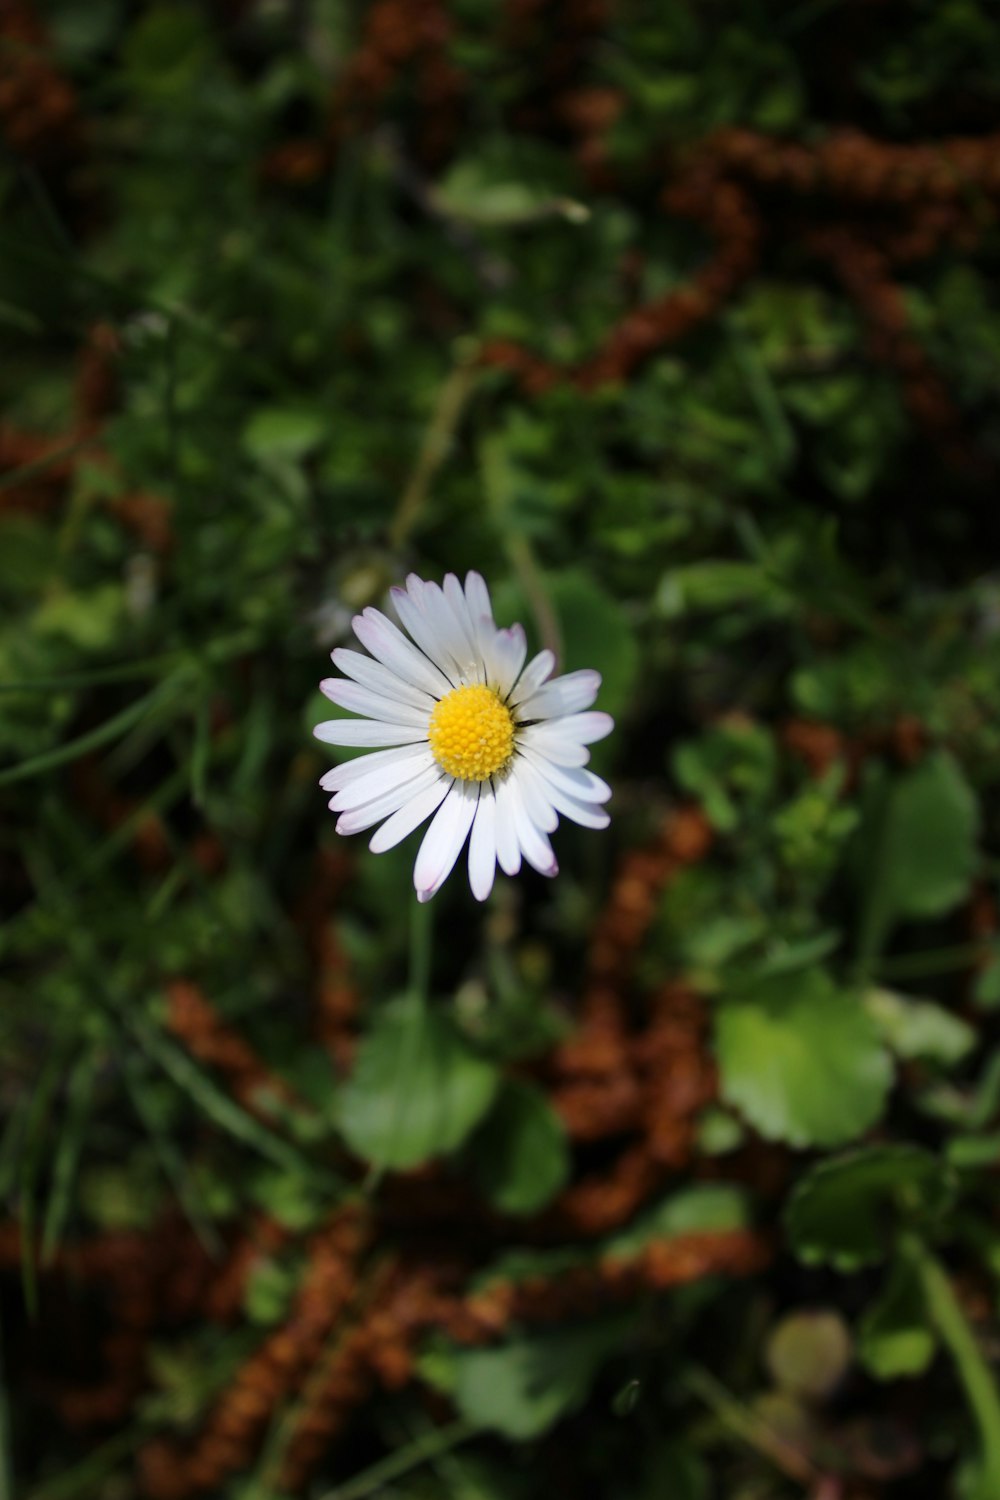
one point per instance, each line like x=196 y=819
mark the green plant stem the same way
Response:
x=421 y=947
x=973 y=1371
x=438 y=438
x=498 y=483
x=428 y=1446
x=746 y=1425
x=935 y=960
x=417 y=996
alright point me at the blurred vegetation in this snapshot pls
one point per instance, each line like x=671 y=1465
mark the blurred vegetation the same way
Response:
x=676 y=1176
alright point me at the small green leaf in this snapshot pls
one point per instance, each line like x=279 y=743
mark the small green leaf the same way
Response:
x=287 y=432
x=914 y=1028
x=802 y=1060
x=972 y=1151
x=918 y=850
x=698 y=1209
x=520 y=1152
x=895 y=1339
x=525 y=1385
x=847 y=1210
x=986 y=989
x=417 y=1090
x=269 y=1292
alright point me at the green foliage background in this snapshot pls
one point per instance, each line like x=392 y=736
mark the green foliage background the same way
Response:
x=756 y=536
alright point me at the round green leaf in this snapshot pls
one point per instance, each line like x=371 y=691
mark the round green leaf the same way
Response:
x=802 y=1060
x=417 y=1090
x=846 y=1211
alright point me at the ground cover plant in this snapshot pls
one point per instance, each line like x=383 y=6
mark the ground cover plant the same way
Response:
x=672 y=1176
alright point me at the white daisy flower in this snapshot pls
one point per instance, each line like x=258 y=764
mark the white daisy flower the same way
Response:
x=494 y=749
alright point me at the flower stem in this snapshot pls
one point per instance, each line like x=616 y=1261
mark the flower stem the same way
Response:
x=421 y=935
x=973 y=1371
x=438 y=438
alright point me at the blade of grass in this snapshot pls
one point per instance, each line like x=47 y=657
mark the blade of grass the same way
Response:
x=6 y=1458
x=38 y=466
x=111 y=729
x=85 y=1478
x=31 y=1168
x=423 y=1449
x=170 y=1158
x=13 y=1135
x=200 y=750
x=219 y=1106
x=125 y=672
x=79 y=1098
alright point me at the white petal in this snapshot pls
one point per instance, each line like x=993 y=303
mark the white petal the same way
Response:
x=558 y=749
x=372 y=674
x=563 y=695
x=583 y=785
x=361 y=700
x=394 y=651
x=426 y=632
x=381 y=779
x=539 y=668
x=587 y=814
x=477 y=597
x=410 y=816
x=455 y=597
x=368 y=732
x=537 y=802
x=508 y=848
x=483 y=844
x=351 y=770
x=442 y=843
x=583 y=729
x=377 y=808
x=508 y=650
x=448 y=633
x=534 y=845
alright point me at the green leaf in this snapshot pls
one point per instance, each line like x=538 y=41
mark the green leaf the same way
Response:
x=802 y=1060
x=287 y=432
x=596 y=634
x=986 y=989
x=846 y=1211
x=918 y=853
x=417 y=1090
x=520 y=1151
x=269 y=1292
x=698 y=1209
x=914 y=1028
x=973 y=1151
x=471 y=191
x=895 y=1340
x=522 y=1387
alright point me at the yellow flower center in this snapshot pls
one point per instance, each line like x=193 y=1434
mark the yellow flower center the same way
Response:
x=471 y=733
